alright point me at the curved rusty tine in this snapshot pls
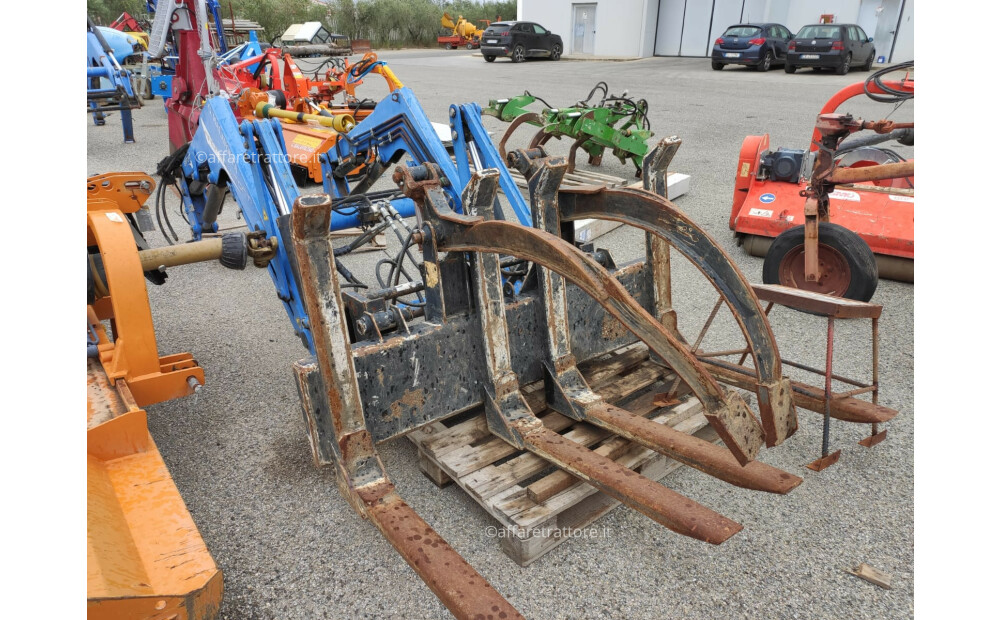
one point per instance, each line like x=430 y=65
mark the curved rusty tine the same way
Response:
x=567 y=391
x=577 y=144
x=729 y=415
x=661 y=217
x=514 y=124
x=699 y=454
x=360 y=474
x=509 y=416
x=540 y=138
x=571 y=160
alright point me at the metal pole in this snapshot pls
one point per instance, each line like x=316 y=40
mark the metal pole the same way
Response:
x=875 y=369
x=828 y=388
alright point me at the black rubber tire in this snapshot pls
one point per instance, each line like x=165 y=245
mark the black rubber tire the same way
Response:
x=717 y=66
x=470 y=46
x=449 y=46
x=488 y=58
x=870 y=61
x=856 y=253
x=789 y=67
x=556 y=52
x=845 y=68
x=765 y=64
x=517 y=54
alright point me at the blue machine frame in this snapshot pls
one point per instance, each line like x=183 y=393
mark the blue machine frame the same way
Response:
x=251 y=160
x=109 y=87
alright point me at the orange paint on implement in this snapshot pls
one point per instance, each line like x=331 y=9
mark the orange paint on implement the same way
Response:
x=145 y=556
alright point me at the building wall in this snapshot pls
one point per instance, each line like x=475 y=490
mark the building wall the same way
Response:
x=624 y=27
x=687 y=27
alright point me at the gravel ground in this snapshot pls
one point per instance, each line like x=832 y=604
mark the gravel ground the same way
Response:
x=289 y=545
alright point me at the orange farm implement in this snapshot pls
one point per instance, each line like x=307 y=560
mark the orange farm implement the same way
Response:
x=850 y=219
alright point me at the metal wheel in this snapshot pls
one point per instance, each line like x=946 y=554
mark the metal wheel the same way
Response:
x=844 y=68
x=846 y=263
x=556 y=52
x=517 y=54
x=470 y=46
x=765 y=64
x=449 y=46
x=488 y=58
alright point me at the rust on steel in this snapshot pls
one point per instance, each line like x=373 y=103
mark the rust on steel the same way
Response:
x=453 y=580
x=805 y=396
x=702 y=455
x=658 y=216
x=665 y=506
x=731 y=418
x=361 y=476
x=872 y=173
x=510 y=417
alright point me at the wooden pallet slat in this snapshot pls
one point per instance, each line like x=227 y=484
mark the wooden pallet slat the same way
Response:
x=509 y=483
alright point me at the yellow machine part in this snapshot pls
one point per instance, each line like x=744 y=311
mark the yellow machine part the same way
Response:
x=145 y=556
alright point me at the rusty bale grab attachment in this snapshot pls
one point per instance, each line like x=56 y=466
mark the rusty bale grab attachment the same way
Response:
x=378 y=373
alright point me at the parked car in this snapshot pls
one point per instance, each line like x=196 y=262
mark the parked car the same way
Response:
x=830 y=46
x=519 y=40
x=756 y=45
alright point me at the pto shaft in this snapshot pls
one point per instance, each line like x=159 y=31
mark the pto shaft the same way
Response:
x=340 y=122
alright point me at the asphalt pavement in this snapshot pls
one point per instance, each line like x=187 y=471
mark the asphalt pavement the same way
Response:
x=290 y=546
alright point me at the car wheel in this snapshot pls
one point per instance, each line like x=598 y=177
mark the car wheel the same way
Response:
x=868 y=63
x=789 y=67
x=847 y=264
x=765 y=64
x=844 y=68
x=717 y=66
x=556 y=52
x=517 y=54
x=449 y=46
x=470 y=46
x=489 y=58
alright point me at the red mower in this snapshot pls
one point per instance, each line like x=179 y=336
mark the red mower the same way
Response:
x=847 y=223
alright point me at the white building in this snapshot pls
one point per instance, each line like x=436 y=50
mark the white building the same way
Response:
x=689 y=27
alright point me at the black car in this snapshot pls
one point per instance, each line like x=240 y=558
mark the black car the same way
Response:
x=830 y=46
x=755 y=45
x=519 y=40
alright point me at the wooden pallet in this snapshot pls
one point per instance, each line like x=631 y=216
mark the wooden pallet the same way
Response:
x=506 y=482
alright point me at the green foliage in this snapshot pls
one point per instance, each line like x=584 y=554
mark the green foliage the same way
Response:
x=388 y=23
x=277 y=15
x=399 y=23
x=103 y=12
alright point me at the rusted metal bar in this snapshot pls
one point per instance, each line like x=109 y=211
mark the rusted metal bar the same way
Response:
x=828 y=386
x=855 y=392
x=660 y=217
x=453 y=580
x=806 y=396
x=567 y=391
x=361 y=476
x=702 y=455
x=822 y=373
x=872 y=173
x=507 y=413
x=672 y=510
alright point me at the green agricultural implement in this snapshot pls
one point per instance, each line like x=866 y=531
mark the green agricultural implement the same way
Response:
x=619 y=123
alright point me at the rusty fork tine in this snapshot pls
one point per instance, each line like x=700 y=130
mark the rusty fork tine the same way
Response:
x=459 y=586
x=702 y=455
x=360 y=473
x=661 y=504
